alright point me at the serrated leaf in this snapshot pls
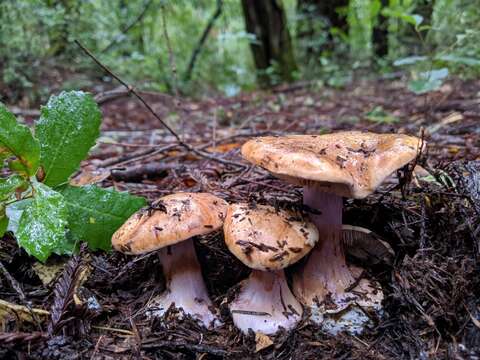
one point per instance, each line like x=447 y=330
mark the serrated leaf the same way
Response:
x=94 y=213
x=68 y=127
x=42 y=226
x=9 y=185
x=17 y=140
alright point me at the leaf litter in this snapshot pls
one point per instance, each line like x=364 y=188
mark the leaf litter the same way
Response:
x=431 y=287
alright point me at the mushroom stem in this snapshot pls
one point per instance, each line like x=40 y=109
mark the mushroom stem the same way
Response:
x=185 y=287
x=265 y=303
x=325 y=272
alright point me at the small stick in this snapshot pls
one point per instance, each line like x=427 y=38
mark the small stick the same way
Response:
x=16 y=286
x=129 y=88
x=132 y=90
x=254 y=313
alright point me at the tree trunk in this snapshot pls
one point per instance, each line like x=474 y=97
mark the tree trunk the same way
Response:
x=380 y=33
x=273 y=49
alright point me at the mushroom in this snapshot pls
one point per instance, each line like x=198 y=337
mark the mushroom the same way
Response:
x=266 y=240
x=344 y=164
x=365 y=245
x=170 y=225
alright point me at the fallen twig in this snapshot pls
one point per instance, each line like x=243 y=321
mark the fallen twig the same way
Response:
x=16 y=286
x=132 y=90
x=142 y=171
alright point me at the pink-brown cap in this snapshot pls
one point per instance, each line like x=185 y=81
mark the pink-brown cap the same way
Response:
x=264 y=238
x=175 y=218
x=350 y=163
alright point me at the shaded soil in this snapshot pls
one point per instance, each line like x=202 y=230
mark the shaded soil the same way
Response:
x=430 y=219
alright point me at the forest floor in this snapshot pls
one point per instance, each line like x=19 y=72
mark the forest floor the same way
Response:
x=431 y=288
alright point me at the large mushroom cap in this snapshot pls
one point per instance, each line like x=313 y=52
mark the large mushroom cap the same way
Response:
x=351 y=163
x=173 y=219
x=264 y=238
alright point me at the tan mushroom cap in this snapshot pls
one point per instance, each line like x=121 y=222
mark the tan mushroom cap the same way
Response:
x=266 y=239
x=350 y=163
x=175 y=218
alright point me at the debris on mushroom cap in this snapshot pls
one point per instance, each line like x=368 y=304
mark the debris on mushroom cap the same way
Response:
x=265 y=238
x=172 y=219
x=365 y=245
x=351 y=163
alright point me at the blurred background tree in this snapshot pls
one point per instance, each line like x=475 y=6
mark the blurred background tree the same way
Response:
x=272 y=50
x=232 y=45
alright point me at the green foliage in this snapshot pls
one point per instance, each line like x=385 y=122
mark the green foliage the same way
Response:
x=37 y=42
x=43 y=224
x=380 y=116
x=362 y=15
x=428 y=81
x=17 y=140
x=104 y=211
x=68 y=127
x=444 y=45
x=10 y=184
x=46 y=215
x=3 y=223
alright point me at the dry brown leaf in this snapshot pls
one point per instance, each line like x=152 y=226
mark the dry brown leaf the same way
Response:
x=262 y=341
x=223 y=148
x=450 y=119
x=88 y=176
x=47 y=273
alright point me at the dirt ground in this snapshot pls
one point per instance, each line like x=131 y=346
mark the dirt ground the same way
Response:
x=430 y=218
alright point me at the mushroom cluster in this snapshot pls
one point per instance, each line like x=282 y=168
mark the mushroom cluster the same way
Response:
x=266 y=239
x=329 y=167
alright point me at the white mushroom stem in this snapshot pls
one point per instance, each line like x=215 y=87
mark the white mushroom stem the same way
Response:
x=326 y=272
x=265 y=303
x=185 y=287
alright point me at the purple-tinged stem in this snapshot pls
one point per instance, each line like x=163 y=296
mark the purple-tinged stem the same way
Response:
x=325 y=272
x=184 y=284
x=265 y=303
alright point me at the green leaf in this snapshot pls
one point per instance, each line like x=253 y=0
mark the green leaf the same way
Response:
x=469 y=61
x=94 y=213
x=14 y=213
x=68 y=127
x=42 y=226
x=409 y=60
x=9 y=185
x=380 y=116
x=3 y=221
x=17 y=140
x=412 y=19
x=3 y=224
x=428 y=81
